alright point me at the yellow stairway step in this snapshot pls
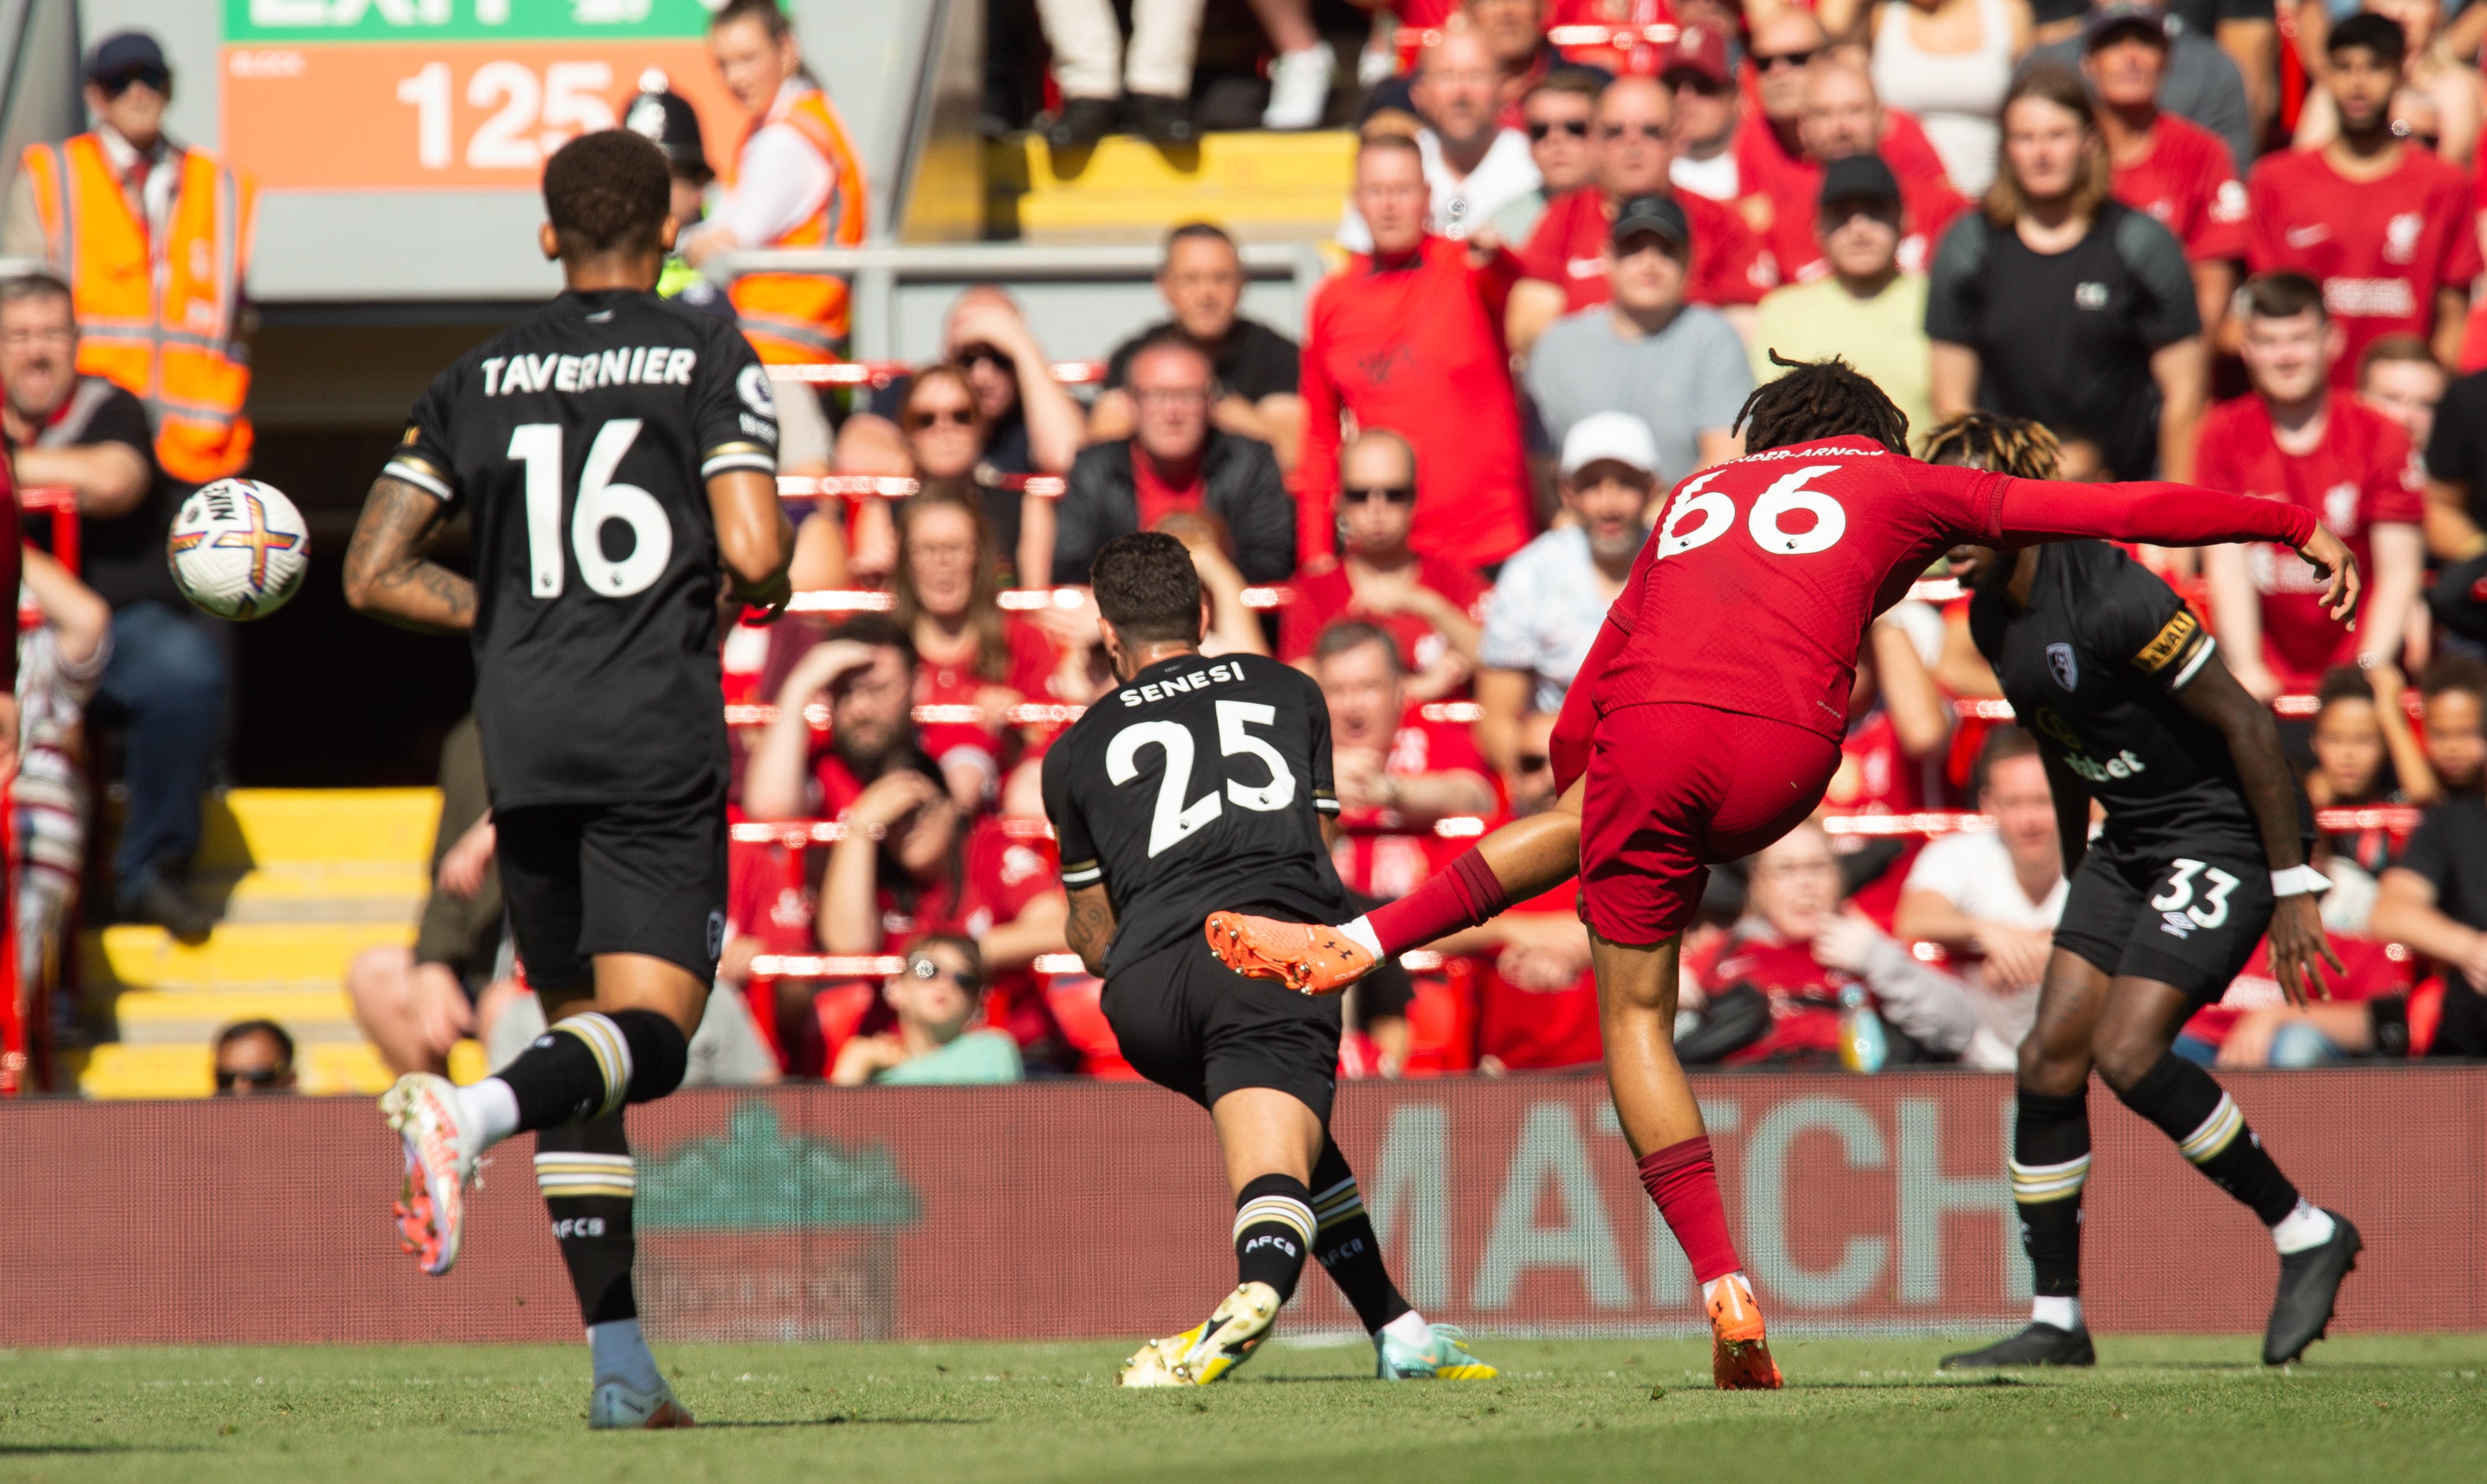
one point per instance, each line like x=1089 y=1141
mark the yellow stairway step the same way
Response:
x=1288 y=183
x=269 y=827
x=123 y=1071
x=347 y=891
x=238 y=954
x=155 y=1018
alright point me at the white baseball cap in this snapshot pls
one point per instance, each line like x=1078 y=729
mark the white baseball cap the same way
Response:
x=1617 y=436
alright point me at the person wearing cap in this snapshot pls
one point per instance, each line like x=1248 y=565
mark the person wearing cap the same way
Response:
x=1563 y=266
x=2172 y=168
x=1865 y=309
x=1403 y=337
x=154 y=238
x=1550 y=600
x=1473 y=165
x=2202 y=82
x=1677 y=368
x=1695 y=71
x=794 y=180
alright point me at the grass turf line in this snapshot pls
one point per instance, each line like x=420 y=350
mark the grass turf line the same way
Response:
x=2185 y=1410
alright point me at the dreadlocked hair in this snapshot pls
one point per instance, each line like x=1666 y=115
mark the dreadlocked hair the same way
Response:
x=1818 y=400
x=1990 y=440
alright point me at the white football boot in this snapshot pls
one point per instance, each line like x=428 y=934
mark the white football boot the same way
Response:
x=621 y=1407
x=426 y=1114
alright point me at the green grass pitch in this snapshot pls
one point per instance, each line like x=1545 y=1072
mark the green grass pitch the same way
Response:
x=1855 y=1411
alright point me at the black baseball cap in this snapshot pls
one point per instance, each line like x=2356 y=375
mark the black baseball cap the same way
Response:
x=128 y=54
x=1661 y=214
x=666 y=118
x=2124 y=15
x=1858 y=177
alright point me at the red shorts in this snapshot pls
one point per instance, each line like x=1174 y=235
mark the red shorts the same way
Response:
x=1673 y=787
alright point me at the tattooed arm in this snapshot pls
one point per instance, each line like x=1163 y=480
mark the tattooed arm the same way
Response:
x=386 y=574
x=1090 y=929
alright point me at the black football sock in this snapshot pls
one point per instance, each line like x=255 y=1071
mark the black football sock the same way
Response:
x=1346 y=1244
x=2191 y=1108
x=1273 y=1232
x=585 y=1173
x=2051 y=1160
x=588 y=1065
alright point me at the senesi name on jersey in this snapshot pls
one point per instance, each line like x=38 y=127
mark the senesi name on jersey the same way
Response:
x=580 y=441
x=1200 y=784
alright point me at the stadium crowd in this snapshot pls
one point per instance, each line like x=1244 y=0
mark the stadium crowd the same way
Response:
x=2210 y=241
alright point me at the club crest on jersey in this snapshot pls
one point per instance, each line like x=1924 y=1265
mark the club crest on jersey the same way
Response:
x=2064 y=666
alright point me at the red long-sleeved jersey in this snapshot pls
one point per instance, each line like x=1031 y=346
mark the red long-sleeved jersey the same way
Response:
x=1417 y=347
x=1754 y=593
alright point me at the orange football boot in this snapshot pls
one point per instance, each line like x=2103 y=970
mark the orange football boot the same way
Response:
x=1739 y=1352
x=1309 y=957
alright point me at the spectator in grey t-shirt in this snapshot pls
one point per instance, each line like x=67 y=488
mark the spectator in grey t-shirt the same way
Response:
x=1552 y=598
x=1677 y=366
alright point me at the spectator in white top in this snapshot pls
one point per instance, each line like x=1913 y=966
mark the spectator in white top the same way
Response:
x=1995 y=896
x=1546 y=610
x=1678 y=368
x=1949 y=61
x=1706 y=113
x=1473 y=164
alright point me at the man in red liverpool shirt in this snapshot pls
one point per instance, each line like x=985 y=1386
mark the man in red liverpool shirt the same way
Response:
x=1706 y=725
x=2172 y=168
x=1564 y=263
x=2297 y=439
x=1817 y=105
x=1842 y=119
x=1426 y=603
x=1407 y=337
x=2387 y=228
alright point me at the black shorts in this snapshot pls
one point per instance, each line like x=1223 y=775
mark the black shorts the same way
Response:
x=1190 y=1023
x=582 y=879
x=2187 y=918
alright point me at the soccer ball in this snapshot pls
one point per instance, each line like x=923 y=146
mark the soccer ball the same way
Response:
x=238 y=549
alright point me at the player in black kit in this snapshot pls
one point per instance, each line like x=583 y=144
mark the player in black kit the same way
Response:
x=1196 y=781
x=2203 y=849
x=613 y=452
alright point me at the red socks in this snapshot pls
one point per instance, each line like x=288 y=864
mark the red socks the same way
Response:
x=1684 y=1182
x=1462 y=896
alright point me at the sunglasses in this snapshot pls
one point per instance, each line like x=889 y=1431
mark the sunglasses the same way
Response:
x=1644 y=131
x=1396 y=495
x=1578 y=129
x=925 y=969
x=933 y=417
x=1532 y=762
x=257 y=1077
x=969 y=355
x=1776 y=60
x=119 y=82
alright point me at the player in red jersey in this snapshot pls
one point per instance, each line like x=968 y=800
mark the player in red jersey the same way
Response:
x=1706 y=723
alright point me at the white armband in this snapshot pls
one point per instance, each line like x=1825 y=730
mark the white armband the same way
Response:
x=2298 y=880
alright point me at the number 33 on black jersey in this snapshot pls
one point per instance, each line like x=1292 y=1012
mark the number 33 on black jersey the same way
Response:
x=1200 y=784
x=580 y=443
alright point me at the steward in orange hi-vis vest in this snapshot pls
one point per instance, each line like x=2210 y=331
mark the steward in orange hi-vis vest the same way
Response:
x=793 y=319
x=156 y=317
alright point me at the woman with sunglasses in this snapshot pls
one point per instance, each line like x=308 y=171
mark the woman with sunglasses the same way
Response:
x=1024 y=424
x=911 y=866
x=972 y=654
x=933 y=1001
